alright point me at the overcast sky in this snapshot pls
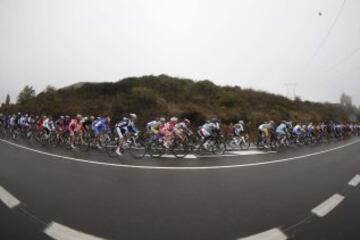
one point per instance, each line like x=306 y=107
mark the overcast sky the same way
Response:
x=260 y=44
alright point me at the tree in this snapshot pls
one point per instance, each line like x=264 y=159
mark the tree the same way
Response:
x=50 y=89
x=345 y=100
x=26 y=94
x=7 y=100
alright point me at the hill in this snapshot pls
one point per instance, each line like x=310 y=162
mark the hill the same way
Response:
x=151 y=96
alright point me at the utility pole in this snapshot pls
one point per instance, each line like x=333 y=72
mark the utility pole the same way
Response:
x=293 y=85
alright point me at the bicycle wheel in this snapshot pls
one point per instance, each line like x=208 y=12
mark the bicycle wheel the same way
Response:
x=233 y=144
x=110 y=148
x=219 y=147
x=180 y=148
x=156 y=149
x=83 y=143
x=137 y=149
x=54 y=140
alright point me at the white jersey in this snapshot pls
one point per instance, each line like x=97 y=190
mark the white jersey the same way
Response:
x=48 y=124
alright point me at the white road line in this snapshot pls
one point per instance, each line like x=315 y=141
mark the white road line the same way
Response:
x=355 y=181
x=251 y=152
x=236 y=154
x=189 y=156
x=272 y=234
x=60 y=232
x=8 y=199
x=183 y=168
x=192 y=156
x=327 y=206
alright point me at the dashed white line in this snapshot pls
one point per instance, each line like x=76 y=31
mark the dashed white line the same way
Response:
x=272 y=234
x=182 y=168
x=60 y=232
x=355 y=181
x=8 y=199
x=327 y=206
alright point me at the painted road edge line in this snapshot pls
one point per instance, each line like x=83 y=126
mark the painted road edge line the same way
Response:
x=180 y=168
x=8 y=199
x=272 y=234
x=328 y=205
x=190 y=156
x=250 y=152
x=60 y=232
x=355 y=181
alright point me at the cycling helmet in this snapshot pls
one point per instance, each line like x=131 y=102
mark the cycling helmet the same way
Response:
x=272 y=122
x=79 y=116
x=62 y=117
x=133 y=115
x=92 y=118
x=173 y=119
x=241 y=122
x=214 y=120
x=162 y=120
x=187 y=121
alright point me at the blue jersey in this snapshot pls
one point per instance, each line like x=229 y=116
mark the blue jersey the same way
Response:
x=99 y=123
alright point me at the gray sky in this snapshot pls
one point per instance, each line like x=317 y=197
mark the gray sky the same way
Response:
x=251 y=43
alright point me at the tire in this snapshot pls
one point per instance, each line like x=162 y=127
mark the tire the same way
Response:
x=245 y=145
x=180 y=148
x=110 y=148
x=138 y=149
x=156 y=149
x=219 y=147
x=233 y=144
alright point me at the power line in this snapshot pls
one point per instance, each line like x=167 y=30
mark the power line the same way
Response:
x=322 y=43
x=344 y=59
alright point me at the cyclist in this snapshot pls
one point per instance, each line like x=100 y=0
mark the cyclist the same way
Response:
x=99 y=127
x=182 y=129
x=167 y=131
x=2 y=119
x=60 y=124
x=209 y=129
x=17 y=120
x=74 y=127
x=12 y=121
x=310 y=129
x=238 y=129
x=154 y=126
x=282 y=130
x=22 y=121
x=297 y=131
x=265 y=130
x=126 y=125
x=87 y=123
x=48 y=126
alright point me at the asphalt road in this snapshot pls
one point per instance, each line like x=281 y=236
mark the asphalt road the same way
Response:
x=230 y=197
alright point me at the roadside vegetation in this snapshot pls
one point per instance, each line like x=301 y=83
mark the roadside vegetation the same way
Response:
x=152 y=96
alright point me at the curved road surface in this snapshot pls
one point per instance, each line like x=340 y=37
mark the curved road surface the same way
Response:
x=304 y=193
